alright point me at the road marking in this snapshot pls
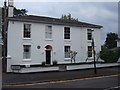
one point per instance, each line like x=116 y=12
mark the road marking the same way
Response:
x=112 y=88
x=59 y=81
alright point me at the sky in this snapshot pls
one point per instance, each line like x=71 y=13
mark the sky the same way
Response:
x=104 y=12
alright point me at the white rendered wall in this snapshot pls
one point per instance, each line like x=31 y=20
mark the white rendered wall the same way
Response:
x=118 y=43
x=78 y=42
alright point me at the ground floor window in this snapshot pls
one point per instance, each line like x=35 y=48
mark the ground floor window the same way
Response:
x=66 y=51
x=89 y=51
x=26 y=51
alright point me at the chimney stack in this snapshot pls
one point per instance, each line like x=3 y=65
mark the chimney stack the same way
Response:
x=10 y=8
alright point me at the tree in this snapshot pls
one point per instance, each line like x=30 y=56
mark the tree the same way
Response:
x=20 y=12
x=109 y=53
x=111 y=40
x=68 y=17
x=109 y=56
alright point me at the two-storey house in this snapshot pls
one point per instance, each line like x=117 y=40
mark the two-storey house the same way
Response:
x=33 y=40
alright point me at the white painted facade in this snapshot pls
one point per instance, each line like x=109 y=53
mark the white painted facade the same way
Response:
x=78 y=42
x=118 y=43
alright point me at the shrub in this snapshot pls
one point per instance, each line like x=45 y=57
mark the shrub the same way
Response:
x=109 y=56
x=43 y=63
x=54 y=62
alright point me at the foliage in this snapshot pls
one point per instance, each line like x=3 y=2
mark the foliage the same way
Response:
x=55 y=62
x=20 y=12
x=17 y=12
x=109 y=56
x=111 y=40
x=43 y=63
x=68 y=17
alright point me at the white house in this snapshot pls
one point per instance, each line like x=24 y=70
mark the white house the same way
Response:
x=33 y=40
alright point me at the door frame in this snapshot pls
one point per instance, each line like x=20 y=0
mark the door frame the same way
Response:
x=48 y=48
x=49 y=57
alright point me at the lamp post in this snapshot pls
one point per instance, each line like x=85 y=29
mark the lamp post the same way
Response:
x=93 y=47
x=0 y=49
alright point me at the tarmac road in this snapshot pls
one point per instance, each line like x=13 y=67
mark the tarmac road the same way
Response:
x=16 y=79
x=102 y=82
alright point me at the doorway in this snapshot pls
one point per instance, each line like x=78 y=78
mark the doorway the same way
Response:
x=48 y=54
x=48 y=57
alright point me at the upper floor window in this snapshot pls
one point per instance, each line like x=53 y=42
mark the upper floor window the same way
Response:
x=66 y=32
x=27 y=31
x=89 y=34
x=48 y=32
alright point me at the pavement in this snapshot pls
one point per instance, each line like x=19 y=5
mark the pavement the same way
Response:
x=23 y=78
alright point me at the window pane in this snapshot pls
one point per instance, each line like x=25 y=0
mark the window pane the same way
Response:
x=66 y=51
x=89 y=34
x=66 y=33
x=89 y=51
x=27 y=30
x=48 y=32
x=26 y=51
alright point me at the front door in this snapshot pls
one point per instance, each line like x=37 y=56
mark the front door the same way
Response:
x=48 y=56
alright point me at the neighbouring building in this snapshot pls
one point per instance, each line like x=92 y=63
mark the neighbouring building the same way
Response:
x=118 y=41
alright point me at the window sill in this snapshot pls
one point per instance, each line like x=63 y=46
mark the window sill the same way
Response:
x=48 y=39
x=27 y=38
x=90 y=58
x=27 y=60
x=67 y=40
x=89 y=41
x=67 y=59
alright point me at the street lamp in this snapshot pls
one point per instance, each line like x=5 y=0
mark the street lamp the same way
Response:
x=93 y=48
x=1 y=43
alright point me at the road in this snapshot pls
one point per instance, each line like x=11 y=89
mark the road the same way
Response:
x=105 y=82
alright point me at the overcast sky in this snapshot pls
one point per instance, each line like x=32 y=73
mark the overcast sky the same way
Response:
x=101 y=13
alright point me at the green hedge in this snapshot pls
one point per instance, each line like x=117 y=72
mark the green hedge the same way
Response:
x=109 y=56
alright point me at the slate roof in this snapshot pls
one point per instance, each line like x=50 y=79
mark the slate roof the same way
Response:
x=50 y=20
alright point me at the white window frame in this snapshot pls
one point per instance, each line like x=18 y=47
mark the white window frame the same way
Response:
x=48 y=32
x=67 y=33
x=28 y=30
x=67 y=52
x=89 y=32
x=90 y=52
x=27 y=59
